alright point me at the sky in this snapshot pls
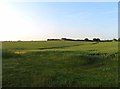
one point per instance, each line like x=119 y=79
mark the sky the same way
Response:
x=48 y=20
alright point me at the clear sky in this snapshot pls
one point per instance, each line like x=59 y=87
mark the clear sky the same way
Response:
x=40 y=21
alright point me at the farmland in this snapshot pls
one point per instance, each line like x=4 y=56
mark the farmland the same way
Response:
x=60 y=64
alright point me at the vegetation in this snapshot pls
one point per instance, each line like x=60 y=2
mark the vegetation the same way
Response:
x=60 y=64
x=96 y=39
x=86 y=39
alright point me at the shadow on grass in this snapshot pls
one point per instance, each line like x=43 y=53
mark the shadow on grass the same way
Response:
x=73 y=58
x=58 y=47
x=57 y=69
x=77 y=58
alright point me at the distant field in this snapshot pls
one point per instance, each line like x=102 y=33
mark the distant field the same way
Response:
x=60 y=64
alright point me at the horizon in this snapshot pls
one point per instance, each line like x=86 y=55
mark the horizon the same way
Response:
x=28 y=21
x=61 y=39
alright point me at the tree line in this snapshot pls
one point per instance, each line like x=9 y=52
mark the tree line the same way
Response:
x=86 y=39
x=66 y=39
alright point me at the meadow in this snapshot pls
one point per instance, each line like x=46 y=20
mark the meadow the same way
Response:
x=59 y=64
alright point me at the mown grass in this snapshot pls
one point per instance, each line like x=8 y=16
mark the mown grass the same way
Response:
x=69 y=66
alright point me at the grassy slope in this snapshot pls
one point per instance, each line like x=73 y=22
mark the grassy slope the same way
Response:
x=60 y=63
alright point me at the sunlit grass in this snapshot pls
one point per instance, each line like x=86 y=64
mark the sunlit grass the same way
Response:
x=20 y=52
x=66 y=64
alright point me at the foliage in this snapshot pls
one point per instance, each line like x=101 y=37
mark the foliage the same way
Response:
x=96 y=39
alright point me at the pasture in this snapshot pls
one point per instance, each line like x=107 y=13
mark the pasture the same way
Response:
x=60 y=64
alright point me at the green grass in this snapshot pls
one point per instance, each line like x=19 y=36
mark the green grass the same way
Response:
x=60 y=64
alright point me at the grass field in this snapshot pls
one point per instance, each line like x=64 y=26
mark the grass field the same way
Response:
x=60 y=64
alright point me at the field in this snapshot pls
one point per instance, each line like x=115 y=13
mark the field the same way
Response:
x=60 y=64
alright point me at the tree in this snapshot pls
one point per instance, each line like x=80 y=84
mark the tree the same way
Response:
x=118 y=39
x=19 y=40
x=114 y=39
x=86 y=39
x=96 y=39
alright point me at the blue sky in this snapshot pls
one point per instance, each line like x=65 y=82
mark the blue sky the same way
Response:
x=77 y=20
